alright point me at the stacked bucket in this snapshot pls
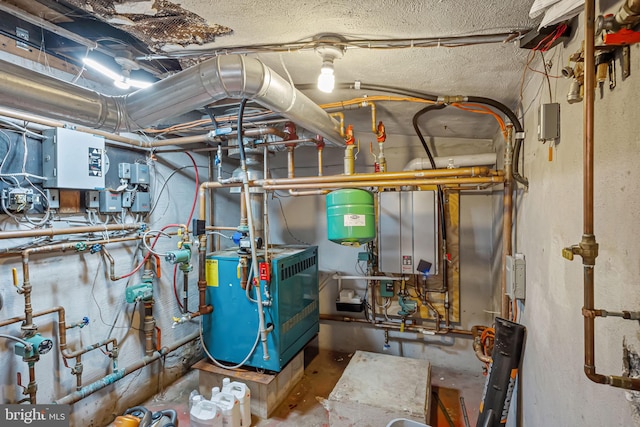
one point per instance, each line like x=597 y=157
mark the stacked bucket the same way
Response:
x=229 y=407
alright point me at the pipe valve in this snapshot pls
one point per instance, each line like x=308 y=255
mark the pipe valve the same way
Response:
x=180 y=320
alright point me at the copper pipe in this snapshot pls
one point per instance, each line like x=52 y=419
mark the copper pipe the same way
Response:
x=202 y=195
x=149 y=327
x=374 y=127
x=340 y=116
x=203 y=307
x=507 y=221
x=308 y=193
x=50 y=232
x=290 y=162
x=219 y=227
x=477 y=344
x=420 y=174
x=77 y=371
x=384 y=183
x=396 y=326
x=320 y=165
x=588 y=247
x=243 y=210
x=32 y=387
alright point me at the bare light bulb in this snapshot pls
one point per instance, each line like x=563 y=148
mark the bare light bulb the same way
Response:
x=326 y=79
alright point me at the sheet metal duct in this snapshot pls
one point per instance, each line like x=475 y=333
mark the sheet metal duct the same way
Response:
x=231 y=76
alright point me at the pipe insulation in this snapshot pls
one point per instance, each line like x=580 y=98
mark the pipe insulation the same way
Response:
x=229 y=76
x=422 y=163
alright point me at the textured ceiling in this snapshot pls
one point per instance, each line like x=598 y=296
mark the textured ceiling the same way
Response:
x=484 y=70
x=219 y=27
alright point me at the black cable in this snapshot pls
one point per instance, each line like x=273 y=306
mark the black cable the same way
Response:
x=417 y=129
x=516 y=125
x=441 y=203
x=477 y=99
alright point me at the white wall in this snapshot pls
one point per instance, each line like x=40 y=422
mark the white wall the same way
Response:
x=554 y=389
x=80 y=283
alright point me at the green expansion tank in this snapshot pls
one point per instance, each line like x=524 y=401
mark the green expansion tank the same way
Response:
x=350 y=217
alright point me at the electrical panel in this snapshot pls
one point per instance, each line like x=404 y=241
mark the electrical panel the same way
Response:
x=407 y=231
x=141 y=202
x=72 y=159
x=139 y=174
x=110 y=202
x=516 y=276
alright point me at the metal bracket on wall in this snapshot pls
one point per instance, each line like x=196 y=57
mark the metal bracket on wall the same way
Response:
x=626 y=61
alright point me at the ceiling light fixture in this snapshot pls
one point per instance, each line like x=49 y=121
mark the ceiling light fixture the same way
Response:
x=122 y=81
x=329 y=52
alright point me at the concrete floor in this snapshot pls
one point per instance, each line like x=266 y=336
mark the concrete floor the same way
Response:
x=303 y=408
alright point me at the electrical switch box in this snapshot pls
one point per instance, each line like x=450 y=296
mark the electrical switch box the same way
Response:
x=127 y=199
x=387 y=289
x=124 y=170
x=72 y=159
x=53 y=198
x=141 y=202
x=139 y=174
x=549 y=121
x=110 y=202
x=92 y=199
x=516 y=276
x=407 y=231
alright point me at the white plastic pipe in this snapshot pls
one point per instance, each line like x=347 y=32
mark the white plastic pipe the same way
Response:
x=482 y=159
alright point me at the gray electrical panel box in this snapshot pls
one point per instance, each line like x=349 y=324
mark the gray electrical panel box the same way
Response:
x=141 y=202
x=110 y=202
x=407 y=231
x=72 y=159
x=139 y=174
x=549 y=121
x=515 y=276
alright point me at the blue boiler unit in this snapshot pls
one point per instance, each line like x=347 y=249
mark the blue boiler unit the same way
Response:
x=230 y=331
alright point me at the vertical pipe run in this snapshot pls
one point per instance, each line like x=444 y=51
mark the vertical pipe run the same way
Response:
x=507 y=221
x=588 y=130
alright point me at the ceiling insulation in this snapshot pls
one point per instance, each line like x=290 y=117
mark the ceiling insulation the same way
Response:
x=155 y=23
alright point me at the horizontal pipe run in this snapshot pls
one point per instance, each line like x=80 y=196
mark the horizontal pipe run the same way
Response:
x=397 y=326
x=210 y=137
x=121 y=373
x=6 y=112
x=384 y=183
x=202 y=195
x=339 y=276
x=422 y=174
x=50 y=232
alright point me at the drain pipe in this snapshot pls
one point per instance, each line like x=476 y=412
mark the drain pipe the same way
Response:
x=588 y=247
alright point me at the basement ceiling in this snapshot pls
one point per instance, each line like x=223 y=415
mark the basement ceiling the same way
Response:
x=163 y=37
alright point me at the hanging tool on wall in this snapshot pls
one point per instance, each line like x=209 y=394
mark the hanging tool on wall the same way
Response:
x=617 y=34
